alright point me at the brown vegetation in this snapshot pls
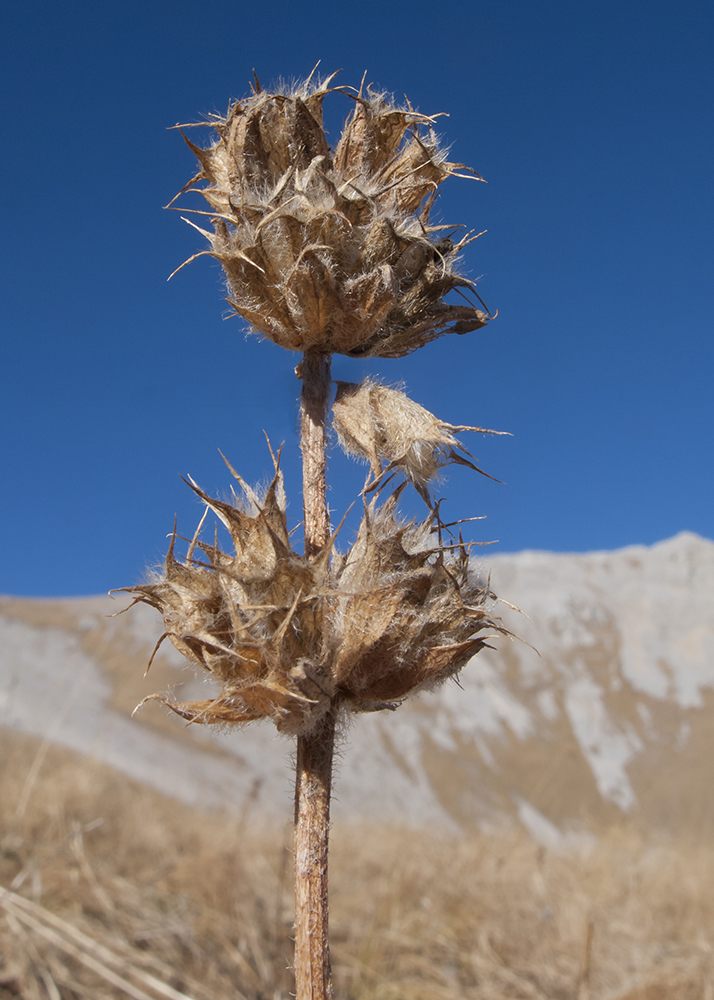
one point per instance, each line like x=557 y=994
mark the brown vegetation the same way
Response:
x=332 y=250
x=324 y=251
x=154 y=893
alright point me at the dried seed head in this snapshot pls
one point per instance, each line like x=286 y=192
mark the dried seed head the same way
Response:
x=385 y=425
x=331 y=250
x=405 y=617
x=290 y=636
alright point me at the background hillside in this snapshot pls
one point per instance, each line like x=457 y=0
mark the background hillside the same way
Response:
x=602 y=711
x=541 y=831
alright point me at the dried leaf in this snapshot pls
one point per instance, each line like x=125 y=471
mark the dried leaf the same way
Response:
x=384 y=425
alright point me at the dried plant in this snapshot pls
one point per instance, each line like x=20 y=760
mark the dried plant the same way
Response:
x=332 y=250
x=381 y=424
x=156 y=888
x=291 y=637
x=329 y=251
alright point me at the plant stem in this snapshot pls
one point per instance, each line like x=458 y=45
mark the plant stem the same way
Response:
x=315 y=374
x=315 y=749
x=313 y=975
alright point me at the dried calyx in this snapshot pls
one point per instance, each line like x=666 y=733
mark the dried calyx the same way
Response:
x=332 y=249
x=384 y=425
x=290 y=637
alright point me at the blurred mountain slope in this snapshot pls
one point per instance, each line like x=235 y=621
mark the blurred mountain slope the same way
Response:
x=603 y=714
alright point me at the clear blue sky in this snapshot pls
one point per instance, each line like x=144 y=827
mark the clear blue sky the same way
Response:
x=592 y=123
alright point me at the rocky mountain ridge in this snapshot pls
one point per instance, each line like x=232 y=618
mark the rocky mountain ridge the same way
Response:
x=601 y=713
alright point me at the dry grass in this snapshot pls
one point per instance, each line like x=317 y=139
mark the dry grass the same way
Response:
x=203 y=904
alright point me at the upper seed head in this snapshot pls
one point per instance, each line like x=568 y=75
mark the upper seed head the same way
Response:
x=331 y=249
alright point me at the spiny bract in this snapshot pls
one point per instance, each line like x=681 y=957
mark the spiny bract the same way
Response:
x=381 y=424
x=290 y=637
x=332 y=250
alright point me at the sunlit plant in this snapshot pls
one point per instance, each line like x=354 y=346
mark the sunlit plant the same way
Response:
x=329 y=250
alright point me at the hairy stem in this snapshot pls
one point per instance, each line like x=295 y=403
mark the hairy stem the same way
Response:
x=313 y=976
x=315 y=374
x=315 y=749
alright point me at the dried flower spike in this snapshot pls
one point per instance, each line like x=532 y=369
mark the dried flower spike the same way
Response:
x=331 y=250
x=384 y=425
x=291 y=637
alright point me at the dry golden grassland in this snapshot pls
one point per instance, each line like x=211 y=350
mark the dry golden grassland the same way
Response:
x=115 y=891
